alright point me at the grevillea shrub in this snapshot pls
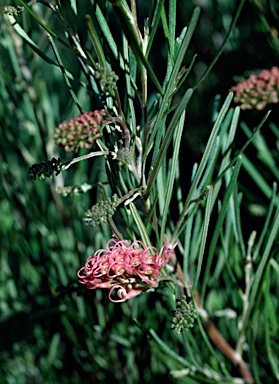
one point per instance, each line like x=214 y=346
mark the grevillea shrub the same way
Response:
x=129 y=263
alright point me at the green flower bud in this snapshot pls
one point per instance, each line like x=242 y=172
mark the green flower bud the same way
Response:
x=183 y=316
x=124 y=156
x=73 y=190
x=13 y=11
x=102 y=211
x=107 y=78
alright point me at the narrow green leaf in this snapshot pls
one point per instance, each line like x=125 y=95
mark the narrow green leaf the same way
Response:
x=74 y=6
x=53 y=349
x=169 y=88
x=267 y=254
x=169 y=134
x=208 y=209
x=165 y=27
x=95 y=41
x=236 y=217
x=273 y=203
x=172 y=172
x=264 y=152
x=36 y=48
x=130 y=75
x=232 y=119
x=232 y=26
x=273 y=361
x=202 y=165
x=61 y=66
x=169 y=351
x=154 y=25
x=208 y=343
x=107 y=34
x=128 y=26
x=172 y=25
x=218 y=226
x=257 y=177
x=240 y=152
x=45 y=27
x=139 y=223
x=253 y=356
x=274 y=129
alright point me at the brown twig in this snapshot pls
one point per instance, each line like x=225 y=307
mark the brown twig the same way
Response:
x=212 y=331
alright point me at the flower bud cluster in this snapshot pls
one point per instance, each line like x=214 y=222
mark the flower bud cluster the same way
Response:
x=46 y=169
x=13 y=11
x=183 y=316
x=107 y=78
x=73 y=190
x=102 y=211
x=124 y=156
x=80 y=132
x=259 y=90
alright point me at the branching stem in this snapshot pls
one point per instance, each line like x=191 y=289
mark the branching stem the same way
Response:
x=212 y=331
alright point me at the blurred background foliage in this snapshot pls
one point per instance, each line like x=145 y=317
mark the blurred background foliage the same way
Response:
x=51 y=330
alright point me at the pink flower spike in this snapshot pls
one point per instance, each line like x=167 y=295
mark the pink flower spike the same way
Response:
x=258 y=91
x=128 y=268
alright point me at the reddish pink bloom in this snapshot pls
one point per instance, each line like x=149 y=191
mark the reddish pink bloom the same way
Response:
x=130 y=269
x=258 y=91
x=80 y=132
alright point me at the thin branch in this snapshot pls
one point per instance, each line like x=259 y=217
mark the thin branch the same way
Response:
x=212 y=331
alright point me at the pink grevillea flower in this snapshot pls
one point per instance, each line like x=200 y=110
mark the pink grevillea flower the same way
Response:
x=80 y=132
x=129 y=269
x=258 y=91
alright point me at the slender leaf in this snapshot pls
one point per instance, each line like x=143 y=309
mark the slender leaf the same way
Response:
x=218 y=227
x=169 y=134
x=206 y=219
x=169 y=88
x=203 y=163
x=171 y=174
x=140 y=225
x=61 y=66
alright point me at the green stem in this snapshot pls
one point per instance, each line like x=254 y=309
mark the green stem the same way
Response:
x=232 y=26
x=62 y=68
x=95 y=41
x=128 y=26
x=123 y=125
x=110 y=222
x=29 y=10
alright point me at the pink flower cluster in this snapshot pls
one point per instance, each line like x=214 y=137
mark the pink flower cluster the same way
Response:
x=80 y=132
x=130 y=269
x=258 y=91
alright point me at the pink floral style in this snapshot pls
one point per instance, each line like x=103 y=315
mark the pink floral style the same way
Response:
x=129 y=269
x=258 y=91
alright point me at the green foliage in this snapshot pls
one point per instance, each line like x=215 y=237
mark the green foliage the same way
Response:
x=61 y=59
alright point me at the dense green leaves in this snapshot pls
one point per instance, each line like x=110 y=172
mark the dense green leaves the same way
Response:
x=169 y=189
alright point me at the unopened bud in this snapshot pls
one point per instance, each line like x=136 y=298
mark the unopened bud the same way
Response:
x=102 y=211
